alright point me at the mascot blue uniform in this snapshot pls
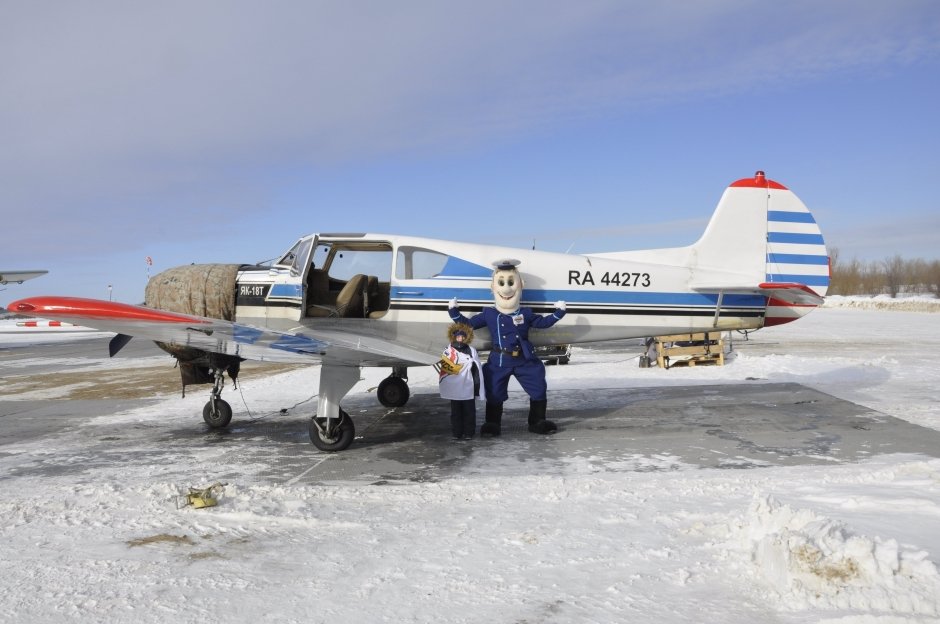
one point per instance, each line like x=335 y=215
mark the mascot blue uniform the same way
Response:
x=511 y=354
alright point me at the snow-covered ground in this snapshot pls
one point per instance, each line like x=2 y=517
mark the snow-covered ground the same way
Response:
x=855 y=543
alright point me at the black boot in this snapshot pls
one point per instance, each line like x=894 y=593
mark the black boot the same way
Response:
x=494 y=419
x=469 y=419
x=456 y=420
x=537 y=422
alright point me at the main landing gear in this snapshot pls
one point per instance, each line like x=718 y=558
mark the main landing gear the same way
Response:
x=393 y=390
x=332 y=434
x=332 y=429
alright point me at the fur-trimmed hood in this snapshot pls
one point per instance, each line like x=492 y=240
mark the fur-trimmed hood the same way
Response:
x=463 y=327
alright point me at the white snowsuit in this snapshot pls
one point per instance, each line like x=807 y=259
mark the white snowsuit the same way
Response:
x=459 y=387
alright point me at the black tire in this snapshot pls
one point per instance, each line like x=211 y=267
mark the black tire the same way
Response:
x=563 y=360
x=393 y=392
x=217 y=418
x=339 y=439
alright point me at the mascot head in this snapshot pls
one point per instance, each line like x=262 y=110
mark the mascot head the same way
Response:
x=507 y=286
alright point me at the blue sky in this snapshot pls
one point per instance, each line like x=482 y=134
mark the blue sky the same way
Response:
x=223 y=131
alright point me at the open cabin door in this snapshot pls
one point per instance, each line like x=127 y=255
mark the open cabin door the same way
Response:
x=350 y=277
x=288 y=293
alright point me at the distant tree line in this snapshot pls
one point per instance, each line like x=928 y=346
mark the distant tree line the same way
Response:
x=885 y=277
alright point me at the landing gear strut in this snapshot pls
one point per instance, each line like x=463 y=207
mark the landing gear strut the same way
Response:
x=217 y=413
x=332 y=429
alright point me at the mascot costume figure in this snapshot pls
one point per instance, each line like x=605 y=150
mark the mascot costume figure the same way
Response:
x=511 y=354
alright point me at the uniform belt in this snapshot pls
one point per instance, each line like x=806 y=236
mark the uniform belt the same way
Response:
x=513 y=352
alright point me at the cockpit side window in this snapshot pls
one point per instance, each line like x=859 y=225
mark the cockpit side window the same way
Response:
x=321 y=256
x=344 y=263
x=419 y=263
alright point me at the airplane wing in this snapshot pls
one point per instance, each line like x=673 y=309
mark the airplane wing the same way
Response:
x=19 y=276
x=218 y=336
x=787 y=292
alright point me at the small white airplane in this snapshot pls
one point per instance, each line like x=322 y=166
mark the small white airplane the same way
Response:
x=351 y=300
x=19 y=277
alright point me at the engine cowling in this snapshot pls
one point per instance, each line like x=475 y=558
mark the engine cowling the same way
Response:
x=203 y=290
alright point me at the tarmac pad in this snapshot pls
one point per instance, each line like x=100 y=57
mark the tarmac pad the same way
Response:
x=735 y=426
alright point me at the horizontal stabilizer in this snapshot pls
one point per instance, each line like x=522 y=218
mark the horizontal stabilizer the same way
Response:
x=786 y=292
x=797 y=294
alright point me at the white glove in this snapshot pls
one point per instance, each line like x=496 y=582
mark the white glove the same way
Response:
x=453 y=303
x=559 y=305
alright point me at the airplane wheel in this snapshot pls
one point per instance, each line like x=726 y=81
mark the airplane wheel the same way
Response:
x=337 y=440
x=393 y=392
x=217 y=418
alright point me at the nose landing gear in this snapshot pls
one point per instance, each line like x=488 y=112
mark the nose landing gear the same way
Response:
x=217 y=413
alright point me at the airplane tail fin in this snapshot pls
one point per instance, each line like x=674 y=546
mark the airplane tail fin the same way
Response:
x=763 y=240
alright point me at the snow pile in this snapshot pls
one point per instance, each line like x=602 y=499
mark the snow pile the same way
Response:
x=917 y=303
x=814 y=561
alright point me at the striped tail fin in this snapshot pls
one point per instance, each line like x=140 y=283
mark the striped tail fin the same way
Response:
x=763 y=240
x=796 y=254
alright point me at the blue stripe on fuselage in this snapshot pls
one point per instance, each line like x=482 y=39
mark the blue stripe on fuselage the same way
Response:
x=582 y=297
x=286 y=290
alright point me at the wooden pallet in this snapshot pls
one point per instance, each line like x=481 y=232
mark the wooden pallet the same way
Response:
x=692 y=349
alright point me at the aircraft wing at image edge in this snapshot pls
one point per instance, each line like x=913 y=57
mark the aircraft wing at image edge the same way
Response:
x=219 y=336
x=20 y=276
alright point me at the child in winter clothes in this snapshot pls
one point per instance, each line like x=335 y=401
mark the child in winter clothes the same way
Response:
x=461 y=380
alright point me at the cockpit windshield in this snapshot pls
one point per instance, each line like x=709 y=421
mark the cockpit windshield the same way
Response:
x=297 y=256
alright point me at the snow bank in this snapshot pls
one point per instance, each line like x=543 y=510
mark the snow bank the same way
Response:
x=917 y=303
x=810 y=560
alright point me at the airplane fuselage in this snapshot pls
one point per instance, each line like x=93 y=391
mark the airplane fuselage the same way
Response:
x=414 y=278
